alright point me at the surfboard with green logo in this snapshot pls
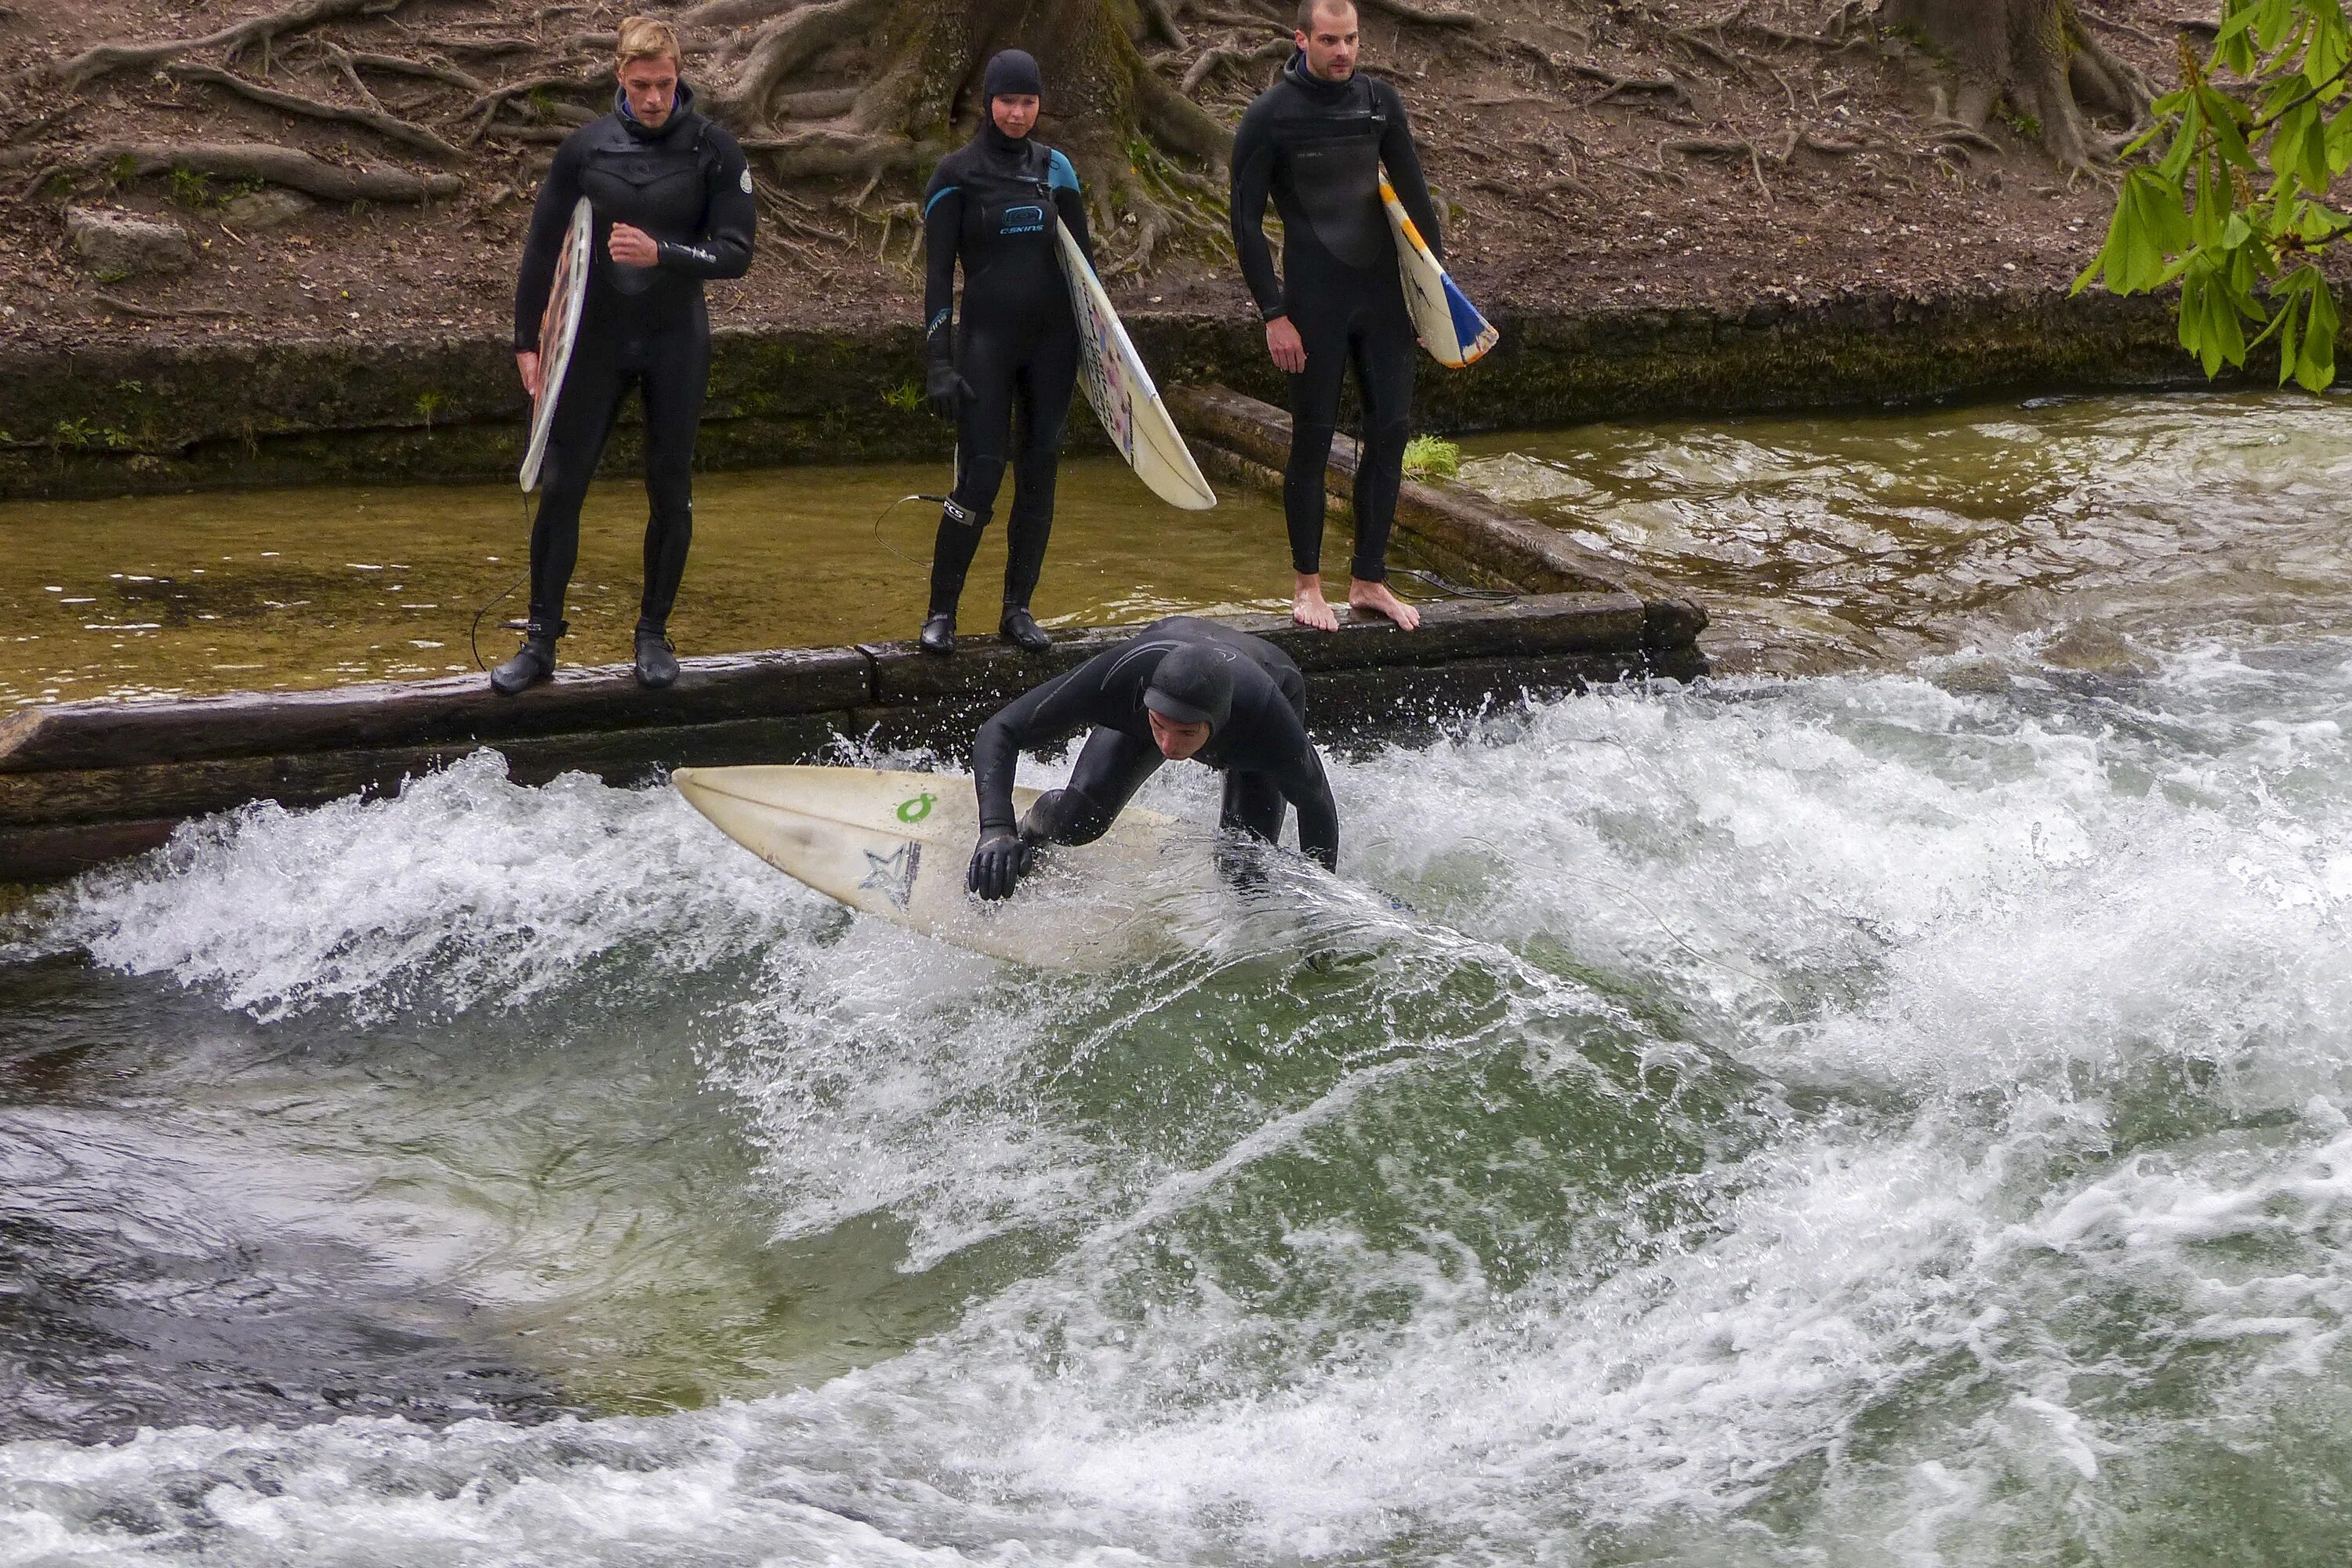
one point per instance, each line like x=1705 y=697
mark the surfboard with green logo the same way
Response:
x=896 y=844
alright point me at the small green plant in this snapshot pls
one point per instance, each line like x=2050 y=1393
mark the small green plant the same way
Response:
x=111 y=275
x=906 y=397
x=428 y=403
x=191 y=189
x=135 y=388
x=125 y=167
x=1431 y=458
x=80 y=435
x=541 y=101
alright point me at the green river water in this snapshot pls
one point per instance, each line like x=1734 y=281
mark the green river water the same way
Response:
x=1888 y=1103
x=288 y=589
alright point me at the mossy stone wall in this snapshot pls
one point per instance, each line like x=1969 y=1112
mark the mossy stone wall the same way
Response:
x=115 y=420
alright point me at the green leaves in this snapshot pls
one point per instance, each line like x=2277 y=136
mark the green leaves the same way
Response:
x=2246 y=260
x=2150 y=227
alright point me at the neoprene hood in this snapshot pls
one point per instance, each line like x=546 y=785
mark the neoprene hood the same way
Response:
x=1012 y=72
x=1194 y=685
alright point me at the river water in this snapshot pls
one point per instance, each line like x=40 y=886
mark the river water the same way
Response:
x=276 y=590
x=1892 y=1114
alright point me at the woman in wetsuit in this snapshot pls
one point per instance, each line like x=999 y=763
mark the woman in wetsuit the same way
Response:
x=1005 y=374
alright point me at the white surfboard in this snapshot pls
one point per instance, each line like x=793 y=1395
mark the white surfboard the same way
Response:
x=1448 y=324
x=558 y=327
x=897 y=845
x=1123 y=397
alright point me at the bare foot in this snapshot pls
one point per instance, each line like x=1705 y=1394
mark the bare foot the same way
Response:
x=1375 y=599
x=1308 y=606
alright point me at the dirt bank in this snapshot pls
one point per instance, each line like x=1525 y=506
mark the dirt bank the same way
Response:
x=1591 y=155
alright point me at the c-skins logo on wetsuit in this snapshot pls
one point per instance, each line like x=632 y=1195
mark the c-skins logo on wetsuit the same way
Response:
x=1022 y=220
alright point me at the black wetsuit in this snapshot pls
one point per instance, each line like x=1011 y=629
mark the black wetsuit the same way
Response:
x=687 y=184
x=992 y=203
x=1317 y=148
x=1262 y=748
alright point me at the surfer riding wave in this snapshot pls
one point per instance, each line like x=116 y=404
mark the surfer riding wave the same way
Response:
x=1185 y=689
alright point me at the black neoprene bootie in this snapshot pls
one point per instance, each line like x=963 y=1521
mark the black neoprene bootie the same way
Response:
x=656 y=661
x=1021 y=630
x=533 y=663
x=938 y=633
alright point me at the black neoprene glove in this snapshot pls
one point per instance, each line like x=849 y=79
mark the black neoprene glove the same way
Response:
x=945 y=391
x=999 y=864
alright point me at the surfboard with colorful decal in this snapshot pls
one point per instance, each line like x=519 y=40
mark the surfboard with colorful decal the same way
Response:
x=1448 y=324
x=1122 y=394
x=559 y=327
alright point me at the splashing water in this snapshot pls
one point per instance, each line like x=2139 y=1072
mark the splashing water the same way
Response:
x=1886 y=1117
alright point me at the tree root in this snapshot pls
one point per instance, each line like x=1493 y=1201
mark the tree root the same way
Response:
x=484 y=110
x=103 y=59
x=1216 y=59
x=817 y=103
x=161 y=313
x=1511 y=191
x=1667 y=84
x=1175 y=121
x=1404 y=12
x=733 y=13
x=1697 y=40
x=375 y=119
x=831 y=153
x=785 y=45
x=1694 y=147
x=2123 y=30
x=350 y=73
x=1159 y=22
x=288 y=166
x=1257 y=24
x=481 y=48
x=396 y=66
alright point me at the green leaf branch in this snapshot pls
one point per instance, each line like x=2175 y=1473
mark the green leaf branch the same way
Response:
x=2236 y=209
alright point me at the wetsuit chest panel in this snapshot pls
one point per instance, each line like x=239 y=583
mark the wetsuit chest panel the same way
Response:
x=1007 y=216
x=1329 y=169
x=1010 y=265
x=659 y=188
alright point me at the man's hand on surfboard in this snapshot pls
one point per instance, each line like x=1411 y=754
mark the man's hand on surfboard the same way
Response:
x=526 y=362
x=998 y=865
x=1288 y=349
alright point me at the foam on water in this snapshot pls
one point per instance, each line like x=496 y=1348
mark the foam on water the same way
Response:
x=1857 y=1120
x=463 y=892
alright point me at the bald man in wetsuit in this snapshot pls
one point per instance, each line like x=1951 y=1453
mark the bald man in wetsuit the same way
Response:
x=1315 y=144
x=1185 y=689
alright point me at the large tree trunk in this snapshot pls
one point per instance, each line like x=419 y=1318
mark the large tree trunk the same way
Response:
x=916 y=67
x=2033 y=57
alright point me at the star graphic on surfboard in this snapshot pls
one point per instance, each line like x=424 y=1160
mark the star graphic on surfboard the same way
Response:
x=893 y=874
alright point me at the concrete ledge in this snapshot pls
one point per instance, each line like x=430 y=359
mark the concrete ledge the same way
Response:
x=1455 y=521
x=83 y=783
x=457 y=709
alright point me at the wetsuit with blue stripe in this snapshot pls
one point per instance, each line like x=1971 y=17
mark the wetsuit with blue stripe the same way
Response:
x=992 y=204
